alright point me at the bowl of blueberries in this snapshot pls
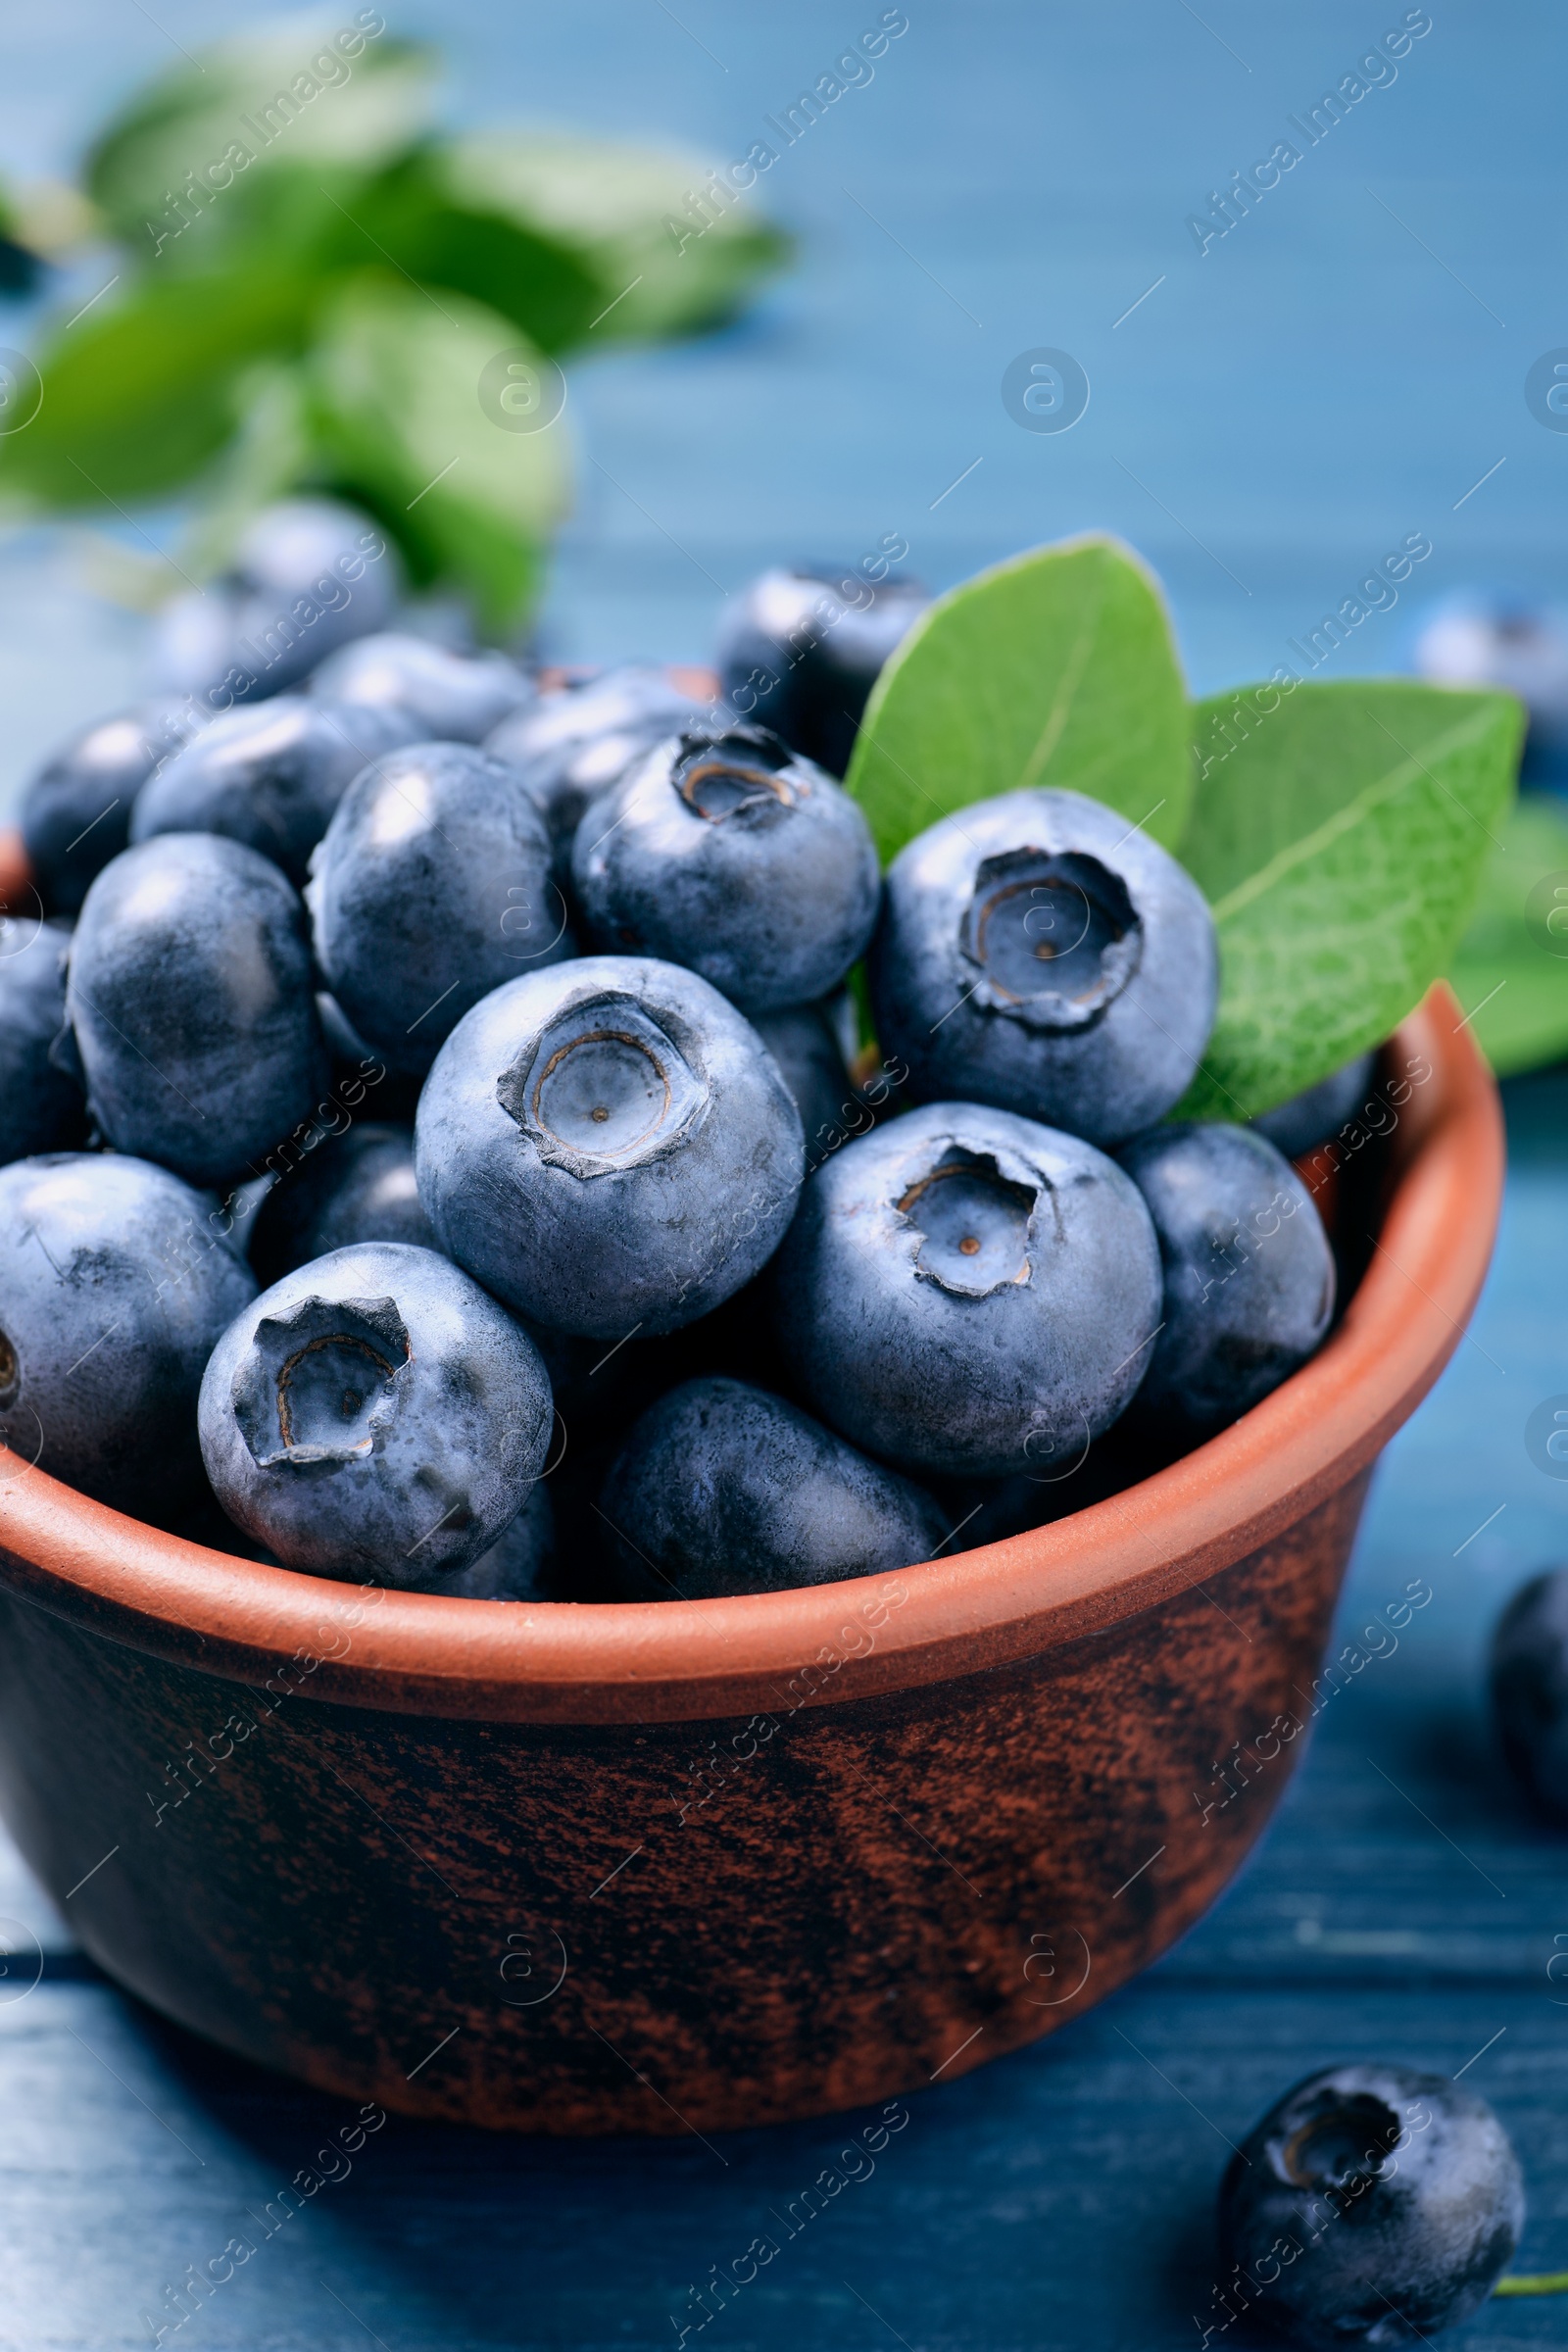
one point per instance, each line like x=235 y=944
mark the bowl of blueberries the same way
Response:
x=646 y=1486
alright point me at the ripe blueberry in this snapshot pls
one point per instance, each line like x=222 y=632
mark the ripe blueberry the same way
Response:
x=1249 y=1274
x=607 y=1147
x=804 y=648
x=431 y=887
x=724 y=850
x=1530 y=1687
x=1319 y=1111
x=308 y=575
x=41 y=1106
x=75 y=811
x=448 y=697
x=634 y=698
x=1038 y=952
x=722 y=1487
x=522 y=1564
x=1372 y=2205
x=270 y=774
x=116 y=1281
x=189 y=993
x=374 y=1415
x=964 y=1291
x=356 y=1186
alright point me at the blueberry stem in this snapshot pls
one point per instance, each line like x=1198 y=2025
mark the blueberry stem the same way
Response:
x=1534 y=2283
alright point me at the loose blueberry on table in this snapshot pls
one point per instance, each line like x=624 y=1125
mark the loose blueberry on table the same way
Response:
x=1372 y=2205
x=588 y=1270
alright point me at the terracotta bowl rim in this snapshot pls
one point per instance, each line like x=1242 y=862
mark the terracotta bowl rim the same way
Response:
x=771 y=1653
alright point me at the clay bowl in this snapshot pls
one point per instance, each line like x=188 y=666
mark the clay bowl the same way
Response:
x=684 y=1866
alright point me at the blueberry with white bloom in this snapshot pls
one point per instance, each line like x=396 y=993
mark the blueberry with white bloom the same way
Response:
x=609 y=1147
x=1372 y=2205
x=41 y=1106
x=115 y=1283
x=374 y=1415
x=270 y=774
x=188 y=989
x=722 y=1487
x=1319 y=1111
x=430 y=887
x=308 y=575
x=724 y=850
x=1249 y=1273
x=1039 y=953
x=75 y=811
x=804 y=646
x=636 y=698
x=963 y=1290
x=449 y=697
x=354 y=1187
x=522 y=1564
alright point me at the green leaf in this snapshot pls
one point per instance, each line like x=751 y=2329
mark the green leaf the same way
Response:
x=1340 y=844
x=270 y=455
x=287 y=95
x=1058 y=669
x=1504 y=972
x=138 y=396
x=622 y=212
x=394 y=387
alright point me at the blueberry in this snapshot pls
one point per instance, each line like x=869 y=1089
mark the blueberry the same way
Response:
x=188 y=992
x=607 y=1147
x=635 y=699
x=116 y=1281
x=308 y=575
x=963 y=1290
x=431 y=887
x=804 y=648
x=1038 y=952
x=522 y=1564
x=1319 y=1111
x=1530 y=1687
x=564 y=782
x=449 y=697
x=1372 y=2205
x=1249 y=1273
x=76 y=812
x=724 y=1489
x=41 y=1107
x=374 y=1415
x=270 y=774
x=724 y=850
x=1477 y=637
x=354 y=1187
x=800 y=1040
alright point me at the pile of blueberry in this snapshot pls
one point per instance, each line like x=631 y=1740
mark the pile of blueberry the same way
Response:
x=431 y=1128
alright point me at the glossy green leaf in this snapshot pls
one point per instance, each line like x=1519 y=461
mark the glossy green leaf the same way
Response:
x=1511 y=971
x=1055 y=668
x=395 y=390
x=139 y=395
x=313 y=90
x=1340 y=844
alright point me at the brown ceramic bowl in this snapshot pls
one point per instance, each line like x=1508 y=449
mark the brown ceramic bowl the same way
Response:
x=681 y=1866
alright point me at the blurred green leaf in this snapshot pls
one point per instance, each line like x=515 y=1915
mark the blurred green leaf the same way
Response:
x=271 y=454
x=394 y=384
x=186 y=142
x=1504 y=972
x=1341 y=844
x=139 y=396
x=1056 y=668
x=623 y=213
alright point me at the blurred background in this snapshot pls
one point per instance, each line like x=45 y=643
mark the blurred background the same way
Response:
x=1275 y=414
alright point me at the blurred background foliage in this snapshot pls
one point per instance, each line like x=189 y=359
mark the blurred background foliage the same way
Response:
x=304 y=279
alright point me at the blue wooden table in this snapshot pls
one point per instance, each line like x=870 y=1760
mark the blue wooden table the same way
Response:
x=1266 y=418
